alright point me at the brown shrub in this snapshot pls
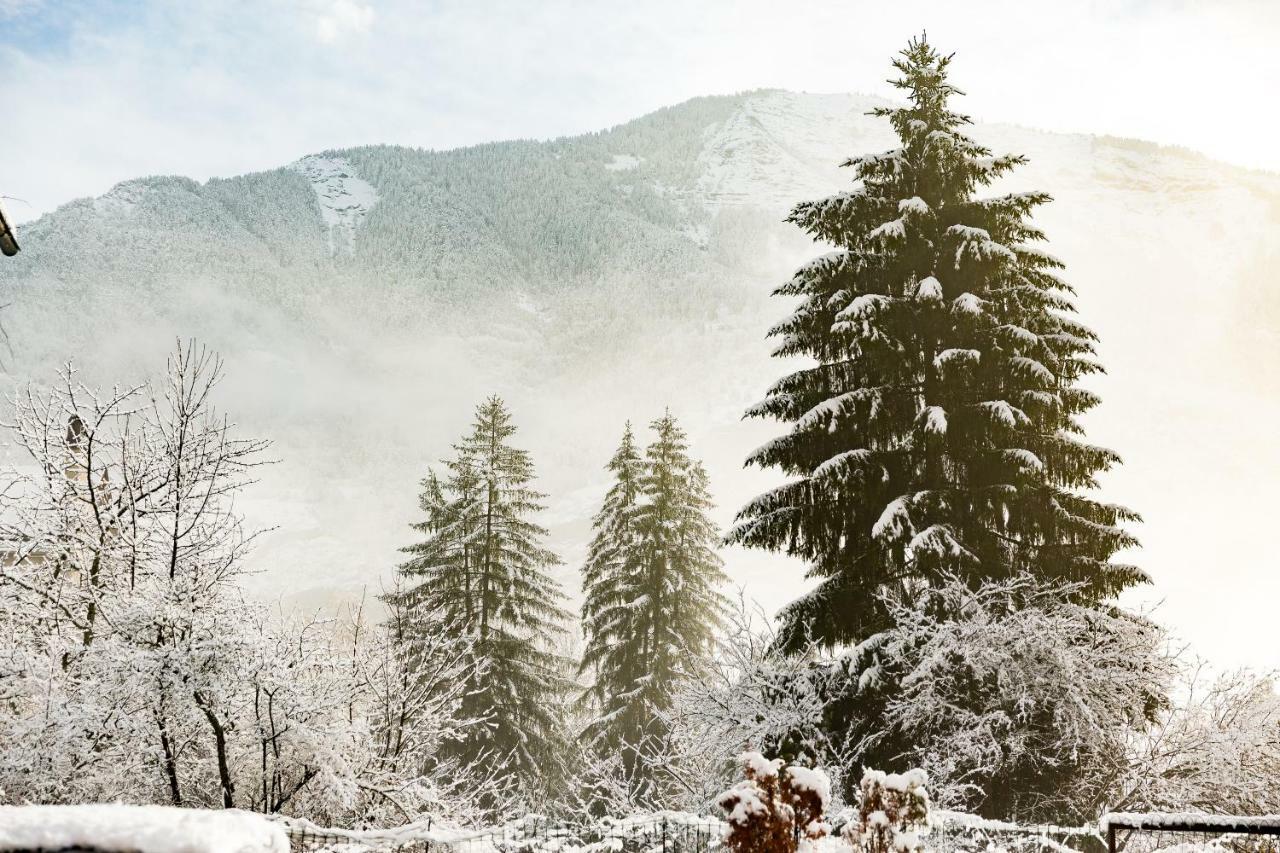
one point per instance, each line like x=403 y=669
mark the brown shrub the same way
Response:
x=773 y=809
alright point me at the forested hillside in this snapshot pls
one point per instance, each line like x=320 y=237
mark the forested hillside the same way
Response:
x=364 y=299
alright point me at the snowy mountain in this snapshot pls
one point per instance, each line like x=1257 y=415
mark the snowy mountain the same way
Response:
x=366 y=299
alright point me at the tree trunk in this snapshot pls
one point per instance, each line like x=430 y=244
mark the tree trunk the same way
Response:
x=170 y=761
x=220 y=739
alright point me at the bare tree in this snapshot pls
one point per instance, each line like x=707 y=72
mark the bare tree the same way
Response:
x=134 y=668
x=125 y=549
x=1216 y=750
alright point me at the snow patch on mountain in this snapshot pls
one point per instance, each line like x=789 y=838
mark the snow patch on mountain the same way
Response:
x=345 y=199
x=698 y=233
x=780 y=147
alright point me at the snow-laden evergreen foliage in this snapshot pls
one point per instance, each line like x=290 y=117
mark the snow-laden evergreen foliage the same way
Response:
x=938 y=433
x=482 y=568
x=652 y=602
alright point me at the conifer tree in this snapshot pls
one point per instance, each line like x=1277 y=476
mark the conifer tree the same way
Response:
x=938 y=432
x=483 y=567
x=610 y=576
x=652 y=606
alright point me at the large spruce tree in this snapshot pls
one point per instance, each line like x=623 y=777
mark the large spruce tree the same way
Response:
x=652 y=604
x=937 y=432
x=481 y=571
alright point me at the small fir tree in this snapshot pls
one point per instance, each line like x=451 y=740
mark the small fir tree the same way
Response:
x=483 y=568
x=938 y=432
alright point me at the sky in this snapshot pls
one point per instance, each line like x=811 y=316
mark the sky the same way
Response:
x=100 y=91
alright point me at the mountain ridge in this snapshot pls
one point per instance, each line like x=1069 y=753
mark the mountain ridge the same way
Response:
x=1154 y=146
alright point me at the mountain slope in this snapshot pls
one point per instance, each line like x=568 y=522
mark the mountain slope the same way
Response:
x=366 y=299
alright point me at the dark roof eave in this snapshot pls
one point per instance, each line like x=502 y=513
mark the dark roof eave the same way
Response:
x=8 y=242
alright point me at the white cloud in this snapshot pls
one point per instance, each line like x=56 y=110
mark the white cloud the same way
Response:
x=343 y=18
x=11 y=8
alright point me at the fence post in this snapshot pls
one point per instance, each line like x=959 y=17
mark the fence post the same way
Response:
x=1111 y=837
x=664 y=834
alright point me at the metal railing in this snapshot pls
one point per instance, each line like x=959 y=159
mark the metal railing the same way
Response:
x=1144 y=832
x=670 y=832
x=957 y=832
x=662 y=832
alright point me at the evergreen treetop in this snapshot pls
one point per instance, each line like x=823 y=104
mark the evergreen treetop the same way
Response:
x=680 y=541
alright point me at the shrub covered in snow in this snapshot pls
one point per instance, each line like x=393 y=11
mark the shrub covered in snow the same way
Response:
x=1217 y=750
x=892 y=813
x=775 y=809
x=750 y=695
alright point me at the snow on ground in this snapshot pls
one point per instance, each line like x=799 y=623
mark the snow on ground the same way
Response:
x=139 y=829
x=345 y=200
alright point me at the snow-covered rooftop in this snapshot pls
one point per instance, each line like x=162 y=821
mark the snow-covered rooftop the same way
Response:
x=138 y=829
